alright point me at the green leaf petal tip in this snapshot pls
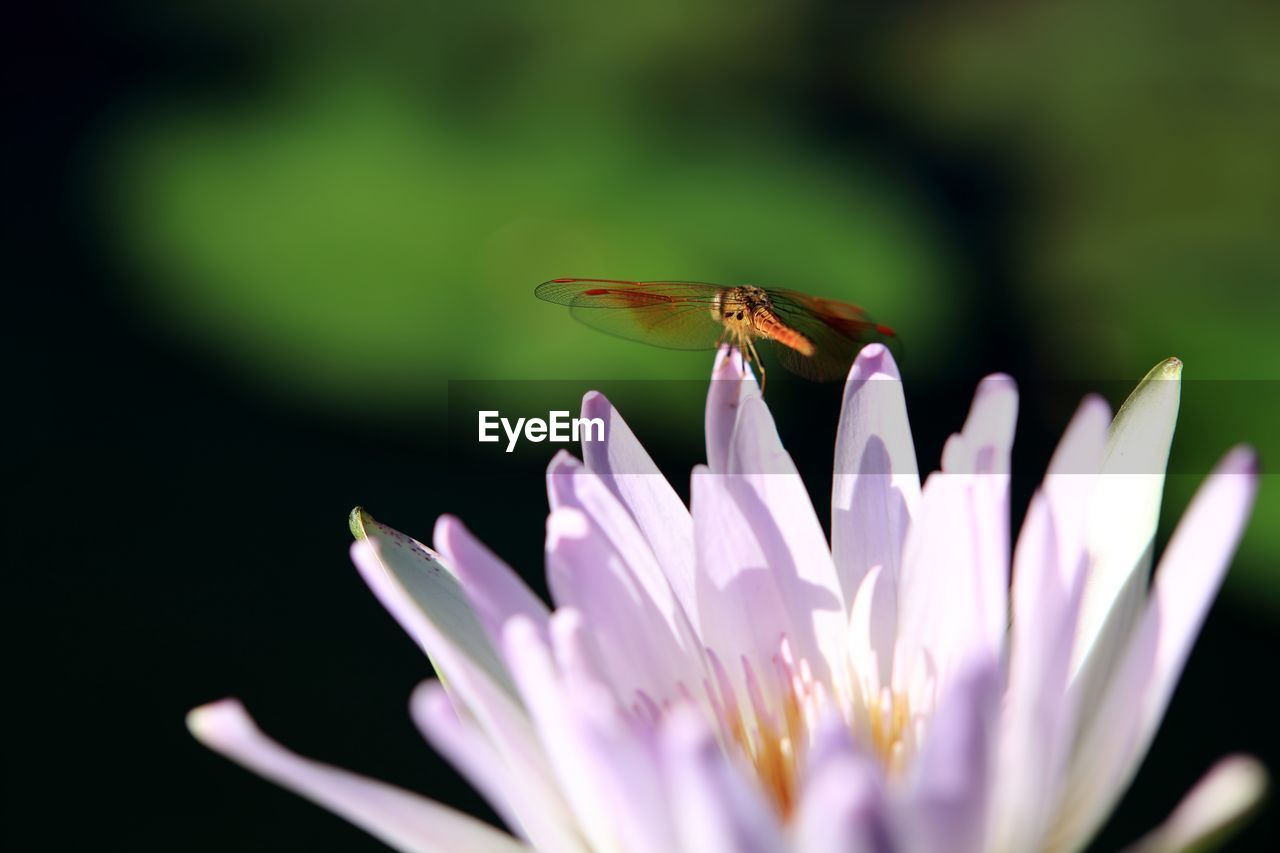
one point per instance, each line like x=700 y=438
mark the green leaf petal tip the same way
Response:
x=357 y=521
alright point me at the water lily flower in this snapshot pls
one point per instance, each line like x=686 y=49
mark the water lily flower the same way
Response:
x=718 y=678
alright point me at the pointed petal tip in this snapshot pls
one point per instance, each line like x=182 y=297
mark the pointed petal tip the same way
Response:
x=595 y=404
x=728 y=364
x=685 y=731
x=1095 y=402
x=1156 y=398
x=429 y=700
x=1220 y=803
x=446 y=526
x=566 y=620
x=1170 y=368
x=520 y=632
x=218 y=722
x=563 y=462
x=448 y=532
x=994 y=381
x=1241 y=459
x=357 y=520
x=874 y=360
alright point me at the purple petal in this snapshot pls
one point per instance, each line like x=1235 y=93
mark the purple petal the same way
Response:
x=1210 y=810
x=402 y=820
x=757 y=461
x=753 y=589
x=425 y=598
x=605 y=766
x=843 y=807
x=496 y=592
x=716 y=808
x=743 y=444
x=760 y=521
x=1071 y=482
x=627 y=470
x=731 y=383
x=1136 y=697
x=428 y=604
x=873 y=628
x=639 y=640
x=1039 y=712
x=570 y=485
x=535 y=813
x=876 y=487
x=952 y=778
x=1124 y=511
x=953 y=595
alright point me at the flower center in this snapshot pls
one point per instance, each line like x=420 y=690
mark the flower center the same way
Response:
x=888 y=718
x=775 y=726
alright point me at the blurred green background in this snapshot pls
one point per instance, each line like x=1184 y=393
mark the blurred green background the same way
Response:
x=263 y=238
x=360 y=208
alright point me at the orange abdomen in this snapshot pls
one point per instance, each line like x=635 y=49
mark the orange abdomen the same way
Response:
x=768 y=325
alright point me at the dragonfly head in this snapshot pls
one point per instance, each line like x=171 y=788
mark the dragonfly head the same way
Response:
x=732 y=308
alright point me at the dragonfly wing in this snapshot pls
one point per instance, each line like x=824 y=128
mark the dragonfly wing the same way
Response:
x=837 y=330
x=612 y=293
x=686 y=327
x=669 y=314
x=830 y=361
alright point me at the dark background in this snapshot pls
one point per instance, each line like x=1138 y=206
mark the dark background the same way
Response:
x=183 y=451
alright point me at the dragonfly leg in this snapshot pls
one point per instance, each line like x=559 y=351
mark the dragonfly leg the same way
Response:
x=755 y=356
x=740 y=344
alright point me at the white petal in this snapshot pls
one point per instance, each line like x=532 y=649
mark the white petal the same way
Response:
x=753 y=589
x=876 y=486
x=731 y=383
x=953 y=595
x=1071 y=481
x=772 y=497
x=1039 y=714
x=570 y=485
x=399 y=818
x=1192 y=569
x=424 y=596
x=1122 y=522
x=873 y=630
x=469 y=751
x=1210 y=810
x=425 y=600
x=716 y=808
x=495 y=592
x=1136 y=698
x=635 y=643
x=742 y=441
x=627 y=470
x=610 y=775
x=952 y=777
x=624 y=748
x=843 y=807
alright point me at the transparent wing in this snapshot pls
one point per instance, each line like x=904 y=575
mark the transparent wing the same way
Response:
x=670 y=314
x=612 y=293
x=838 y=330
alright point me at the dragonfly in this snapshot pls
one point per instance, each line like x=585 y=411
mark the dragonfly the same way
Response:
x=813 y=336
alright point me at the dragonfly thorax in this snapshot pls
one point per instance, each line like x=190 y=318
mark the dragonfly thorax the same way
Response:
x=736 y=308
